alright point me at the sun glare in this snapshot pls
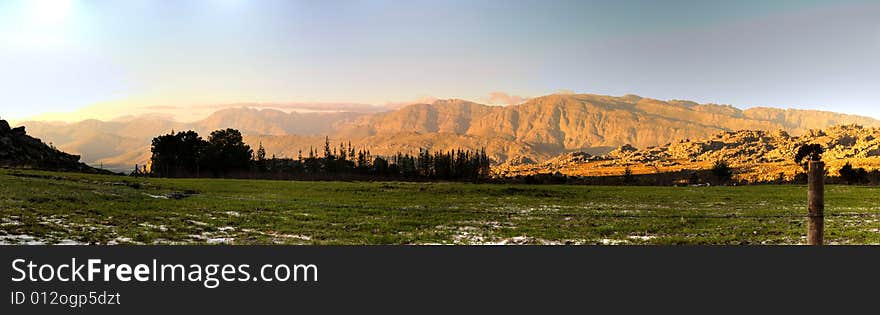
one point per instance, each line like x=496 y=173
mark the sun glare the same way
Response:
x=39 y=24
x=49 y=12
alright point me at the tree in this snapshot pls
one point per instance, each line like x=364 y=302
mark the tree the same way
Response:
x=853 y=175
x=191 y=148
x=226 y=152
x=260 y=163
x=722 y=171
x=164 y=158
x=177 y=155
x=380 y=166
x=628 y=177
x=327 y=154
x=812 y=151
x=329 y=161
x=362 y=163
x=261 y=153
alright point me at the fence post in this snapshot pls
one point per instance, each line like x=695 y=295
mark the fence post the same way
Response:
x=816 y=197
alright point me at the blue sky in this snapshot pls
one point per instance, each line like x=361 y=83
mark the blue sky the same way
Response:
x=63 y=55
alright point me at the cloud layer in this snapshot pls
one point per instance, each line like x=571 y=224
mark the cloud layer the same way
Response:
x=502 y=98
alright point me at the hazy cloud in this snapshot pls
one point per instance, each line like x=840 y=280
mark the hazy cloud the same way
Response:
x=502 y=98
x=564 y=92
x=423 y=100
x=352 y=107
x=494 y=98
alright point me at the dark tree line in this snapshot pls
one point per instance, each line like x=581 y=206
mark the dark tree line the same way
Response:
x=858 y=176
x=186 y=154
x=224 y=154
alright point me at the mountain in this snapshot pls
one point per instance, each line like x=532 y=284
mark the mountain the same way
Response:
x=546 y=126
x=272 y=122
x=756 y=155
x=536 y=130
x=18 y=150
x=572 y=122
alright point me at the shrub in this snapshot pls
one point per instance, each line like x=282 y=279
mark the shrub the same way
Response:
x=722 y=171
x=853 y=175
x=628 y=177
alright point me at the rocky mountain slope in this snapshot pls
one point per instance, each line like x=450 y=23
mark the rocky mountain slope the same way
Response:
x=18 y=150
x=571 y=122
x=757 y=155
x=536 y=130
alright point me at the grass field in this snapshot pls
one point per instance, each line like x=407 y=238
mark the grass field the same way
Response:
x=65 y=208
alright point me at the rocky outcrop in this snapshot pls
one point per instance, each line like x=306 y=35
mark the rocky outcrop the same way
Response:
x=18 y=150
x=757 y=155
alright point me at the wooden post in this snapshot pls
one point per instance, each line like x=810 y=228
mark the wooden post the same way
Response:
x=816 y=197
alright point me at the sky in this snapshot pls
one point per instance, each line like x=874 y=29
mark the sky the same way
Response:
x=93 y=56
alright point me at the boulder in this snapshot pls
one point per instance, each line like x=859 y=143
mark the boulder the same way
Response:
x=521 y=160
x=19 y=131
x=4 y=126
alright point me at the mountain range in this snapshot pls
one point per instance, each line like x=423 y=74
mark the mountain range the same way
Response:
x=534 y=131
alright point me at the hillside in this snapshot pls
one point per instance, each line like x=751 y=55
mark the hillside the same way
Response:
x=573 y=122
x=536 y=130
x=757 y=156
x=18 y=150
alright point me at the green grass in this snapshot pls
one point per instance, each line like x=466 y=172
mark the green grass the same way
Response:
x=76 y=208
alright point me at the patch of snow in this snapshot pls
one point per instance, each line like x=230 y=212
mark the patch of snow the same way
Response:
x=609 y=241
x=9 y=221
x=296 y=236
x=119 y=240
x=642 y=237
x=22 y=239
x=220 y=240
x=525 y=240
x=277 y=235
x=161 y=227
x=66 y=242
